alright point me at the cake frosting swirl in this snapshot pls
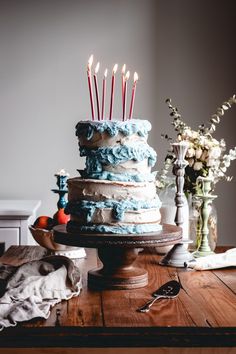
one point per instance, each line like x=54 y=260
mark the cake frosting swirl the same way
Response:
x=88 y=129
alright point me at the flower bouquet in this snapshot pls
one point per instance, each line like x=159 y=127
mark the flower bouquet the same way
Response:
x=206 y=156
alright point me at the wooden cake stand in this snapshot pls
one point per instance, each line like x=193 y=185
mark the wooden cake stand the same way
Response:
x=118 y=253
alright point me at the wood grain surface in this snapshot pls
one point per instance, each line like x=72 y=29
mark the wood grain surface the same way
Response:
x=204 y=313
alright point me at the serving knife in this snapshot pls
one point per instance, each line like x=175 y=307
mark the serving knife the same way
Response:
x=168 y=290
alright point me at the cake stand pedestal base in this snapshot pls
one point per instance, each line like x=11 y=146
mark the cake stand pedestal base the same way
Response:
x=118 y=254
x=118 y=271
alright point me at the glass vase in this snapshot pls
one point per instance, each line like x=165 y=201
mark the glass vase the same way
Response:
x=195 y=224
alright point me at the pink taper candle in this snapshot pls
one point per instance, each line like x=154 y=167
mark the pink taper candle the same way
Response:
x=96 y=89
x=133 y=95
x=90 y=62
x=104 y=94
x=112 y=89
x=123 y=82
x=125 y=94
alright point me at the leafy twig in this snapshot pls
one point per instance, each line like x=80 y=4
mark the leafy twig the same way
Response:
x=215 y=118
x=177 y=122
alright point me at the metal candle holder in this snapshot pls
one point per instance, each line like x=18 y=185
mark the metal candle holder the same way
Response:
x=206 y=197
x=179 y=255
x=180 y=163
x=61 y=177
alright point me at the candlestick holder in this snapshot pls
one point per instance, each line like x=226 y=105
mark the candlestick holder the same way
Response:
x=179 y=255
x=61 y=177
x=204 y=194
x=180 y=163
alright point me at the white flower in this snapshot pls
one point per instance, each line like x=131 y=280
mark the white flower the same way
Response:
x=202 y=141
x=215 y=142
x=217 y=163
x=232 y=153
x=198 y=166
x=226 y=158
x=190 y=152
x=208 y=145
x=226 y=163
x=221 y=174
x=194 y=135
x=198 y=153
x=204 y=155
x=222 y=143
x=223 y=169
x=187 y=133
x=179 y=137
x=214 y=152
x=210 y=162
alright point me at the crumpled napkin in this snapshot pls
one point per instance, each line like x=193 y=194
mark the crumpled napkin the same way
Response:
x=30 y=290
x=215 y=261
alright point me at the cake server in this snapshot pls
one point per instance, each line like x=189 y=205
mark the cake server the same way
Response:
x=168 y=290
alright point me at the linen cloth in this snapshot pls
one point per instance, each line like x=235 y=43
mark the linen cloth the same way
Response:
x=215 y=261
x=30 y=290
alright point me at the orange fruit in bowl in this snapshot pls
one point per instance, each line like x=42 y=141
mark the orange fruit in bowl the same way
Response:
x=60 y=217
x=44 y=222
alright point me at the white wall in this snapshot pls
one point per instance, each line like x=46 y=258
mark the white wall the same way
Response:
x=181 y=49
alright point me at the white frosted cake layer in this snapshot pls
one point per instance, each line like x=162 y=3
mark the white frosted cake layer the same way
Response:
x=97 y=190
x=130 y=167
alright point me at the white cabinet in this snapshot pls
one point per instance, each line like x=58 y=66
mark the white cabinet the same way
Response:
x=10 y=236
x=15 y=217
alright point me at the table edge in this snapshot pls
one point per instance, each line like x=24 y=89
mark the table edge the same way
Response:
x=118 y=337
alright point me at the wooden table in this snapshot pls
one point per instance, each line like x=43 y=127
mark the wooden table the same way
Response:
x=203 y=315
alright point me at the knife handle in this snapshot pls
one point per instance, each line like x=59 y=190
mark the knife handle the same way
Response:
x=148 y=305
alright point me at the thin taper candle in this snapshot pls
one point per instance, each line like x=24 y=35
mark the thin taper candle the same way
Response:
x=96 y=89
x=125 y=94
x=90 y=62
x=112 y=89
x=104 y=94
x=123 y=82
x=133 y=95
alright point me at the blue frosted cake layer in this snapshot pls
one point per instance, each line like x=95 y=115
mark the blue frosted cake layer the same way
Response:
x=113 y=128
x=86 y=208
x=97 y=158
x=73 y=227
